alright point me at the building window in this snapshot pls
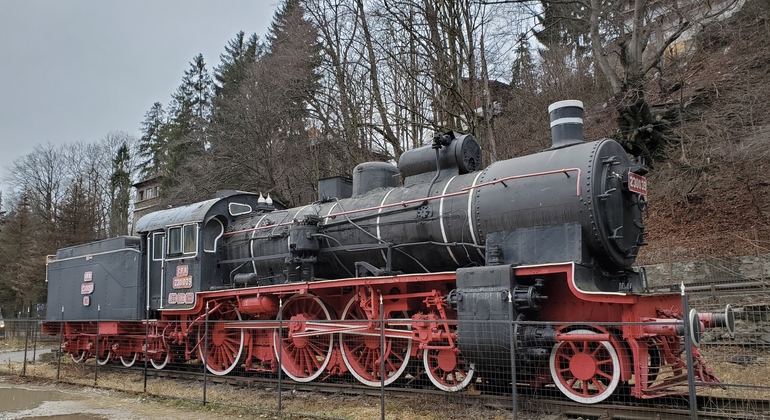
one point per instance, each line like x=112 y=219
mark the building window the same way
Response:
x=140 y=196
x=149 y=193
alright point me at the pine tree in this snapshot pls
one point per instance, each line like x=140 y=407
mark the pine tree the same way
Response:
x=524 y=66
x=153 y=145
x=77 y=220
x=120 y=188
x=23 y=261
x=239 y=55
x=294 y=56
x=565 y=24
x=189 y=111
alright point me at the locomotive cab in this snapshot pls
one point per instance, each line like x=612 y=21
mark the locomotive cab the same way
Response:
x=183 y=247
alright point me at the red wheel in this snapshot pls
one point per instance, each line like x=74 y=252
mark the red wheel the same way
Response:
x=585 y=371
x=158 y=351
x=130 y=360
x=446 y=369
x=80 y=357
x=101 y=361
x=162 y=359
x=361 y=350
x=305 y=354
x=225 y=345
x=105 y=355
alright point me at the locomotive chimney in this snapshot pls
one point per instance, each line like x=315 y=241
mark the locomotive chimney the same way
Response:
x=566 y=123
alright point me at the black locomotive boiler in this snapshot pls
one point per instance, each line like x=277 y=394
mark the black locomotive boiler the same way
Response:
x=445 y=251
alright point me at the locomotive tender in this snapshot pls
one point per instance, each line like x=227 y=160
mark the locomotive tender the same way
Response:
x=447 y=259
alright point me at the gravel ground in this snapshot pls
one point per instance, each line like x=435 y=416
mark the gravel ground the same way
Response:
x=68 y=402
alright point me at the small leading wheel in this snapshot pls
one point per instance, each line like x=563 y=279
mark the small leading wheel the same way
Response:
x=79 y=357
x=362 y=353
x=305 y=355
x=129 y=360
x=585 y=371
x=101 y=361
x=446 y=369
x=225 y=345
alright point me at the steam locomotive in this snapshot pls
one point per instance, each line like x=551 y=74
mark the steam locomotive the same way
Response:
x=435 y=257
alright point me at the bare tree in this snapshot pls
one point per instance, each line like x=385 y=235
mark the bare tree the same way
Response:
x=629 y=40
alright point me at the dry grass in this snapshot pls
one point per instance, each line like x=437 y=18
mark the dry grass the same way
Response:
x=261 y=402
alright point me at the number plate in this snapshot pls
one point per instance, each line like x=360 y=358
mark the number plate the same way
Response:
x=637 y=183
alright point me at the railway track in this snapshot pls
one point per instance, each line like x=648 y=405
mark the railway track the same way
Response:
x=538 y=402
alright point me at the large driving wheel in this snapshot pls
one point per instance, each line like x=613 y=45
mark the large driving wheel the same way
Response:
x=362 y=353
x=305 y=354
x=446 y=369
x=225 y=345
x=585 y=371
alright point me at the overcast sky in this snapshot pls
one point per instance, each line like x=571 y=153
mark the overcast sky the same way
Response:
x=75 y=70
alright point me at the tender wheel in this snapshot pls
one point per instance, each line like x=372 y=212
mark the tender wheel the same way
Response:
x=162 y=359
x=305 y=355
x=106 y=359
x=79 y=357
x=225 y=346
x=362 y=354
x=585 y=371
x=446 y=369
x=129 y=361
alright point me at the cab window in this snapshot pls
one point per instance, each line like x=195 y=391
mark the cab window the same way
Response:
x=183 y=239
x=175 y=240
x=157 y=246
x=236 y=209
x=190 y=240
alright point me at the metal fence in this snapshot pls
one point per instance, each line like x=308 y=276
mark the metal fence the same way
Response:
x=510 y=380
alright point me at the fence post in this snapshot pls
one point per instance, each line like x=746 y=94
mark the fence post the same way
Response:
x=34 y=337
x=26 y=341
x=205 y=351
x=688 y=350
x=61 y=337
x=382 y=360
x=280 y=352
x=96 y=351
x=513 y=357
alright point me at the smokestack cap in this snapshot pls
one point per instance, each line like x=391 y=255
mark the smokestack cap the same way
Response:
x=566 y=123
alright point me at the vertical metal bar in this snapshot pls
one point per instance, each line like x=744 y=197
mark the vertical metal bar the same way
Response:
x=61 y=337
x=163 y=272
x=688 y=350
x=279 y=350
x=96 y=358
x=149 y=254
x=34 y=337
x=382 y=360
x=146 y=347
x=26 y=340
x=514 y=391
x=205 y=351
